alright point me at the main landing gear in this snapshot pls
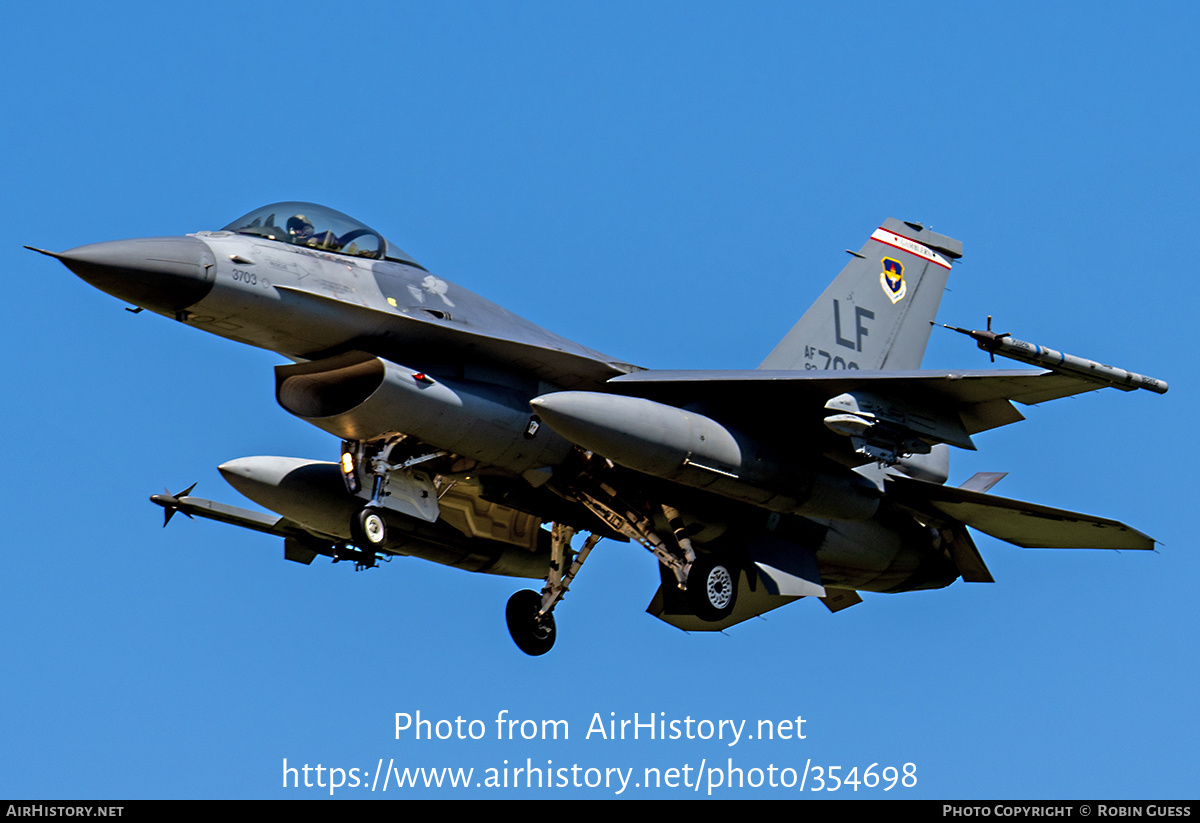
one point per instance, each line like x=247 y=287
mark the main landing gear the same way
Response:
x=708 y=581
x=712 y=588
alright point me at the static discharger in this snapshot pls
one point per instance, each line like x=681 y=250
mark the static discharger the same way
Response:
x=1006 y=345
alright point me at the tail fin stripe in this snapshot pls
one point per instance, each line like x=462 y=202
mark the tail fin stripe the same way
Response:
x=897 y=241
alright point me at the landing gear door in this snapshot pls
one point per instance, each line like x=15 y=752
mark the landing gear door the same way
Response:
x=410 y=493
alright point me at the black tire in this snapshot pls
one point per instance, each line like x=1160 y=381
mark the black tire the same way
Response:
x=531 y=637
x=368 y=529
x=712 y=588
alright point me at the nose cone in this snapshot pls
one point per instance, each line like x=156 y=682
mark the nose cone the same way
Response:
x=163 y=274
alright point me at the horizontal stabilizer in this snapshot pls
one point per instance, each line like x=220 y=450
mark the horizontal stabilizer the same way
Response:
x=1027 y=525
x=785 y=568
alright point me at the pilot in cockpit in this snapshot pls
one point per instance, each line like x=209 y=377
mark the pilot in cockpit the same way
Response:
x=301 y=233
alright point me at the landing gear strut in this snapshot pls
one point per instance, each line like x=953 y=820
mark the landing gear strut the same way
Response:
x=709 y=584
x=531 y=615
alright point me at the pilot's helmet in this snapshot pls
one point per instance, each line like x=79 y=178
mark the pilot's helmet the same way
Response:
x=299 y=226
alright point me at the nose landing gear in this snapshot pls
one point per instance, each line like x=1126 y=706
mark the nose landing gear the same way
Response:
x=368 y=529
x=533 y=632
x=530 y=615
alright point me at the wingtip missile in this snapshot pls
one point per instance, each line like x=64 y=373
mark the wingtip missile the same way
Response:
x=1005 y=345
x=172 y=503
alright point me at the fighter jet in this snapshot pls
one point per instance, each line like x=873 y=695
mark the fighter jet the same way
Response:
x=474 y=438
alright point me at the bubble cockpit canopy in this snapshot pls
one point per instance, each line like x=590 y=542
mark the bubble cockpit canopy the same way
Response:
x=317 y=227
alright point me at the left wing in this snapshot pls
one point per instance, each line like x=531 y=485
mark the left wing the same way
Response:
x=978 y=394
x=885 y=413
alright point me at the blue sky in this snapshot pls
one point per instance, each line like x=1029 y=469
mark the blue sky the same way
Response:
x=673 y=184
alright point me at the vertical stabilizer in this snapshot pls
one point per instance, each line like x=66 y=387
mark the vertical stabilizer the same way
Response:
x=876 y=314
